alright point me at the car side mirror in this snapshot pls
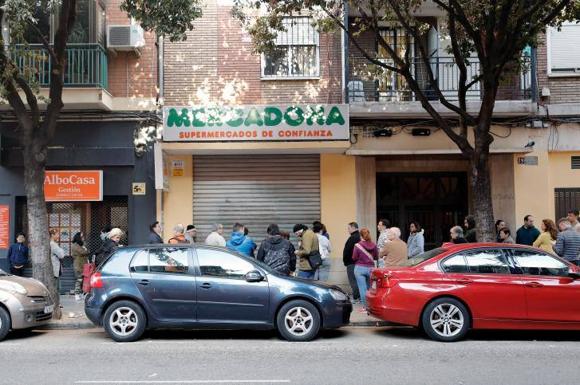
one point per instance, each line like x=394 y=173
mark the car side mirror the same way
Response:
x=574 y=274
x=254 y=276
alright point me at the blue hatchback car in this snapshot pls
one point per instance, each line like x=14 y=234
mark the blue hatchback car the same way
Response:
x=176 y=286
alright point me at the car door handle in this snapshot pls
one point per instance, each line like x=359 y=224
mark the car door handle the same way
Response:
x=464 y=281
x=144 y=282
x=534 y=284
x=206 y=285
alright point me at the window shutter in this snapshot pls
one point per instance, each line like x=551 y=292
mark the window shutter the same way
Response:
x=576 y=163
x=562 y=57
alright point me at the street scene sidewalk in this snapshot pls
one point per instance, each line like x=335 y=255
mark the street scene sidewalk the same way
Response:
x=73 y=316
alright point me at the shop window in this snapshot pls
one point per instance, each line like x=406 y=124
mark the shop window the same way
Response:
x=296 y=53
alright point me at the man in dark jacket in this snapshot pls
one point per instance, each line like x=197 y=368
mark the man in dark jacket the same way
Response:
x=456 y=233
x=277 y=252
x=527 y=234
x=18 y=255
x=155 y=234
x=347 y=257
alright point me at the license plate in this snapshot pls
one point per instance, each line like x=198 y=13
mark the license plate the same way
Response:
x=48 y=309
x=374 y=285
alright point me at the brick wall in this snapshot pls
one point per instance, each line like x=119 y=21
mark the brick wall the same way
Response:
x=562 y=89
x=216 y=65
x=131 y=75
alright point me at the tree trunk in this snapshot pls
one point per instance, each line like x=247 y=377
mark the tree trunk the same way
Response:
x=482 y=202
x=34 y=166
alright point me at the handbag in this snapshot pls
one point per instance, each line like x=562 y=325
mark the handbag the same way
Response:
x=315 y=259
x=88 y=270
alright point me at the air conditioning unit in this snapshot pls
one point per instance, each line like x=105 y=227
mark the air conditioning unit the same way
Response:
x=125 y=37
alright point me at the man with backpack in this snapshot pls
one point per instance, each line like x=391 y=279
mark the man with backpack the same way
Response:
x=277 y=252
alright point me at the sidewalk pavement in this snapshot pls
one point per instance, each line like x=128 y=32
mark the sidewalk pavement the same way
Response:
x=73 y=316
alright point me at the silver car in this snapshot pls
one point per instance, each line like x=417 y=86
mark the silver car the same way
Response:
x=24 y=303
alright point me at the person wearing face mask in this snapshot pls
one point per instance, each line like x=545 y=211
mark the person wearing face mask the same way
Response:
x=18 y=255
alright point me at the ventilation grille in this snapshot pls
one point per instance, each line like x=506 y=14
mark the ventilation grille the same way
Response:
x=120 y=36
x=576 y=163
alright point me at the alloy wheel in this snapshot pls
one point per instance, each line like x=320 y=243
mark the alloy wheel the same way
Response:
x=123 y=321
x=298 y=321
x=447 y=320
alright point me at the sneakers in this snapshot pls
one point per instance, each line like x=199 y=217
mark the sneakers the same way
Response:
x=78 y=297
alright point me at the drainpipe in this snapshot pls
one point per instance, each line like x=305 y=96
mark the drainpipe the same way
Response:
x=344 y=41
x=160 y=103
x=534 y=84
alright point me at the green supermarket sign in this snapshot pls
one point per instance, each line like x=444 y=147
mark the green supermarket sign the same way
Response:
x=256 y=123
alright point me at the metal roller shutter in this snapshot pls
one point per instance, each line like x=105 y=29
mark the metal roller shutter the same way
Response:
x=255 y=191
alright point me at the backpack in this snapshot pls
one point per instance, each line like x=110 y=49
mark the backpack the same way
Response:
x=278 y=259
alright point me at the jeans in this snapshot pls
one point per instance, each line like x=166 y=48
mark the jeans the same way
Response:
x=363 y=280
x=323 y=271
x=306 y=274
x=352 y=281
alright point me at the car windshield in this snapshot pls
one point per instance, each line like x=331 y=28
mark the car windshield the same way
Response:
x=414 y=261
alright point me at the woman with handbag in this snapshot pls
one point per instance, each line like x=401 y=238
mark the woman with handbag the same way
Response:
x=79 y=253
x=364 y=256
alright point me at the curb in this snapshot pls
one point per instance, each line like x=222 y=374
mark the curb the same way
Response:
x=90 y=325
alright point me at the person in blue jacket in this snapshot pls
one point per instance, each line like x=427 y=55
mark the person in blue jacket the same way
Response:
x=18 y=255
x=240 y=242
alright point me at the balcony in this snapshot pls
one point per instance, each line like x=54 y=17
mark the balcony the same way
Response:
x=86 y=65
x=391 y=93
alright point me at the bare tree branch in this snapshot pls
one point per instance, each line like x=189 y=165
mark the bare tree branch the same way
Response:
x=30 y=98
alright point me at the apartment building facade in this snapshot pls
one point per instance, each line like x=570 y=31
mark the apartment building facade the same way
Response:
x=388 y=162
x=110 y=95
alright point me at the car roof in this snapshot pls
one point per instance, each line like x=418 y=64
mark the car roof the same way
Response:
x=468 y=246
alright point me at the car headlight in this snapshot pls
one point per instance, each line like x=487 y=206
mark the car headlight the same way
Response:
x=12 y=287
x=338 y=295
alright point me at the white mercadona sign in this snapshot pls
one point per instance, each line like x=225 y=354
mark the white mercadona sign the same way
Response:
x=320 y=122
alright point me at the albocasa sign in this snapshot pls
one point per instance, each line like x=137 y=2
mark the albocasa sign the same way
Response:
x=256 y=123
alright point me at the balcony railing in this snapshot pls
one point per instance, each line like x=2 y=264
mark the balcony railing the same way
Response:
x=86 y=65
x=392 y=87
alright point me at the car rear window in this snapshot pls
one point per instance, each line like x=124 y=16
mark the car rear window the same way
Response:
x=423 y=257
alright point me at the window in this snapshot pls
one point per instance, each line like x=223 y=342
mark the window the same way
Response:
x=89 y=24
x=487 y=262
x=215 y=263
x=140 y=262
x=533 y=263
x=455 y=264
x=168 y=260
x=296 y=53
x=562 y=59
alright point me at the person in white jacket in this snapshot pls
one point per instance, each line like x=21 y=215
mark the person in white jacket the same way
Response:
x=324 y=248
x=57 y=254
x=216 y=238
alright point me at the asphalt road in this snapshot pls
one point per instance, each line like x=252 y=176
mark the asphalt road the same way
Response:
x=351 y=356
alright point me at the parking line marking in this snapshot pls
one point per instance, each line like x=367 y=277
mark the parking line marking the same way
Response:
x=187 y=382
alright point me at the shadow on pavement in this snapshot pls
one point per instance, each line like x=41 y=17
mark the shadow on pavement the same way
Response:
x=23 y=334
x=409 y=333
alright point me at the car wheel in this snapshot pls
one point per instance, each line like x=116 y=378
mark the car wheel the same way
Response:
x=5 y=323
x=124 y=321
x=446 y=319
x=298 y=320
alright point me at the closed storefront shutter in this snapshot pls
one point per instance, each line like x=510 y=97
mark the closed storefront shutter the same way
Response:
x=255 y=191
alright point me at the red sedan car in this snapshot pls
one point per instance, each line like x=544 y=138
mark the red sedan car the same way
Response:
x=454 y=288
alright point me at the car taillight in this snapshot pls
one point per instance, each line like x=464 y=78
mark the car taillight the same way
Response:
x=96 y=281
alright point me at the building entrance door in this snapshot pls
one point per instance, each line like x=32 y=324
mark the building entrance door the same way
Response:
x=438 y=201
